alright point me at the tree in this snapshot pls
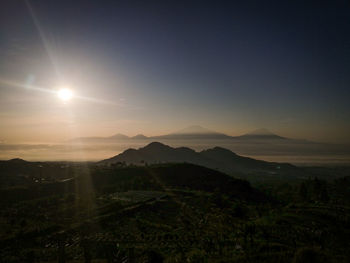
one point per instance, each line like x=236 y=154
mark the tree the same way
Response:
x=303 y=193
x=324 y=197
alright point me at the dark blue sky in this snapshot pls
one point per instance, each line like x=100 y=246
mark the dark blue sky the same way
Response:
x=231 y=66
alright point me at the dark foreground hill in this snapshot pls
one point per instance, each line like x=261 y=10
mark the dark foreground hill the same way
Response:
x=216 y=158
x=175 y=212
x=161 y=177
x=183 y=176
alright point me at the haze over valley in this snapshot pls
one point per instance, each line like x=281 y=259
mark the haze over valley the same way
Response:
x=260 y=144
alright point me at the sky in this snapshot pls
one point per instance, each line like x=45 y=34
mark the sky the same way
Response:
x=153 y=67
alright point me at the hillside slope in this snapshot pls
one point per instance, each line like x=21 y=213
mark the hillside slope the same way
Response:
x=216 y=158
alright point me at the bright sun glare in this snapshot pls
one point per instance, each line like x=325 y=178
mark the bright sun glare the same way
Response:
x=65 y=94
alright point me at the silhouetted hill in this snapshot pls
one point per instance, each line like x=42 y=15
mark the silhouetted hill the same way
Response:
x=119 y=136
x=15 y=171
x=226 y=158
x=158 y=177
x=217 y=158
x=156 y=152
x=185 y=176
x=194 y=129
x=189 y=133
x=260 y=134
x=17 y=161
x=193 y=132
x=139 y=137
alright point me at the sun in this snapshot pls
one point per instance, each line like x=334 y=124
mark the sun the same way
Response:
x=65 y=94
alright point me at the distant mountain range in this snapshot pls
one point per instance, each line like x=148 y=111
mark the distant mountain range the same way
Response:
x=261 y=134
x=216 y=158
x=191 y=132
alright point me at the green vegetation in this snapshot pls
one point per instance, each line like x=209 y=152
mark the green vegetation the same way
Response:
x=79 y=212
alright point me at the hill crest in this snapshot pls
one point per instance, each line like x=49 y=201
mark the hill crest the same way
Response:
x=217 y=158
